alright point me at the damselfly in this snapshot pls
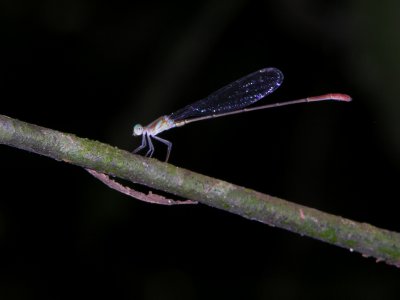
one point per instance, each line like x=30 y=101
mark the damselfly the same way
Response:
x=229 y=100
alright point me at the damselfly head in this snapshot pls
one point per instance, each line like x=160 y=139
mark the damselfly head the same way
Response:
x=137 y=130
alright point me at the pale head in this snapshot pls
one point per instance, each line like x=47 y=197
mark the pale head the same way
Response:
x=137 y=130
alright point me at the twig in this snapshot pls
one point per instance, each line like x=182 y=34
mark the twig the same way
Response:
x=150 y=197
x=366 y=239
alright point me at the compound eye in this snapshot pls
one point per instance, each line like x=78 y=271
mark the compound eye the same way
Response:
x=137 y=130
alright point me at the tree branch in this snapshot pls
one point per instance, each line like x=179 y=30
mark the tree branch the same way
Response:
x=368 y=240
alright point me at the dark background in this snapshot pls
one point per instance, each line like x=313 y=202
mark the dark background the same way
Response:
x=96 y=69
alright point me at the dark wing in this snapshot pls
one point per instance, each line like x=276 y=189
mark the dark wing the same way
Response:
x=236 y=95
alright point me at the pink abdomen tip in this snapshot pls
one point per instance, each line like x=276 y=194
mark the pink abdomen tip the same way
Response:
x=334 y=96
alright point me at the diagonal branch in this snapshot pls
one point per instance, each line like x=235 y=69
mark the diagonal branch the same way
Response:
x=366 y=239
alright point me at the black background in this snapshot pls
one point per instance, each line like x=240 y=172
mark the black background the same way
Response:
x=96 y=69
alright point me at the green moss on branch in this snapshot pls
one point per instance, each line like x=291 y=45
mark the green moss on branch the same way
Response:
x=382 y=244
